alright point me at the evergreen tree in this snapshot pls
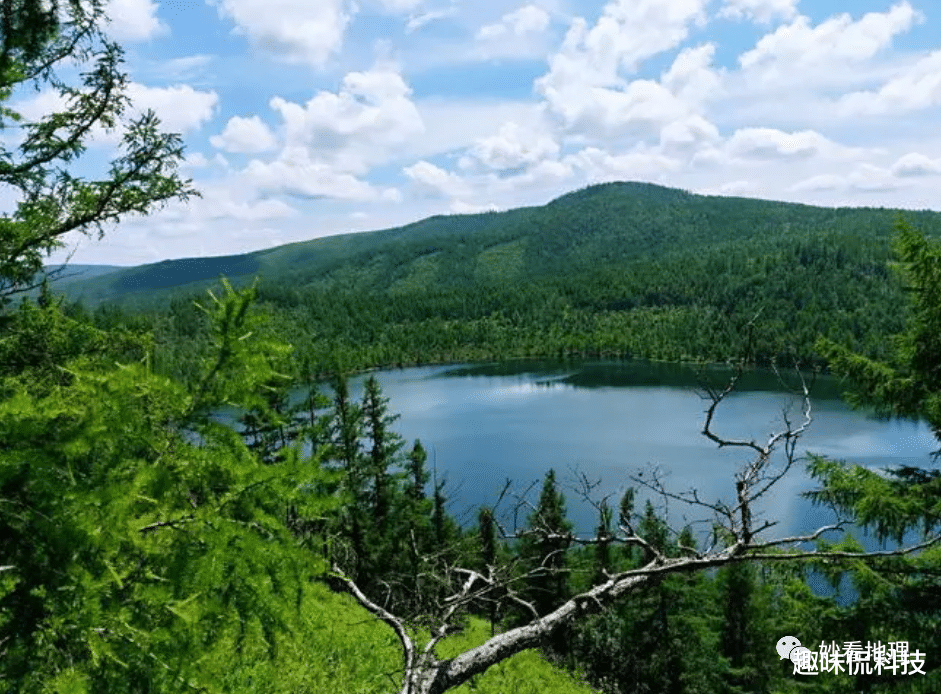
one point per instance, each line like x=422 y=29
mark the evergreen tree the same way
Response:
x=742 y=638
x=906 y=384
x=384 y=446
x=417 y=473
x=486 y=528
x=603 y=534
x=543 y=548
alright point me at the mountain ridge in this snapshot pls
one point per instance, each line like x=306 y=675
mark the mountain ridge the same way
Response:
x=604 y=225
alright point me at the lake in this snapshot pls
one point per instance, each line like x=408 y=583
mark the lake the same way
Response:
x=483 y=424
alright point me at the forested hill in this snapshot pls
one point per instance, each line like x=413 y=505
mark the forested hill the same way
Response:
x=618 y=268
x=606 y=225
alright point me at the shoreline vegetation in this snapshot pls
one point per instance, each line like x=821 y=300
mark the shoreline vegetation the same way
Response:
x=147 y=547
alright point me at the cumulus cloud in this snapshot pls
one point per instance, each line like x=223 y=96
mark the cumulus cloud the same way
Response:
x=356 y=127
x=914 y=87
x=134 y=20
x=586 y=87
x=761 y=11
x=181 y=108
x=628 y=32
x=863 y=178
x=245 y=135
x=691 y=77
x=512 y=147
x=432 y=179
x=770 y=143
x=691 y=131
x=296 y=173
x=913 y=165
x=598 y=165
x=869 y=178
x=801 y=49
x=526 y=19
x=298 y=31
x=335 y=139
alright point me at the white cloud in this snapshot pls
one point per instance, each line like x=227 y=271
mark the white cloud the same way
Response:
x=916 y=86
x=864 y=178
x=363 y=124
x=820 y=182
x=526 y=19
x=914 y=164
x=797 y=50
x=461 y=207
x=180 y=107
x=628 y=32
x=417 y=21
x=335 y=139
x=687 y=132
x=867 y=177
x=183 y=68
x=691 y=77
x=133 y=20
x=245 y=135
x=770 y=143
x=42 y=104
x=512 y=147
x=295 y=172
x=761 y=11
x=198 y=160
x=435 y=180
x=599 y=165
x=585 y=87
x=298 y=31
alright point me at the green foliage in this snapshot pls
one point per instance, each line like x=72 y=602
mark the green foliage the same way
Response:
x=36 y=38
x=140 y=532
x=897 y=597
x=665 y=638
x=618 y=271
x=544 y=555
x=908 y=383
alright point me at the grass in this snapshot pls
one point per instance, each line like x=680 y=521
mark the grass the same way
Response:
x=336 y=646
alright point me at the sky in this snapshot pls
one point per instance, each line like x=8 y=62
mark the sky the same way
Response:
x=305 y=118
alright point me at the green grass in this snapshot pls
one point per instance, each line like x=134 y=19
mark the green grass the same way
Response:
x=336 y=646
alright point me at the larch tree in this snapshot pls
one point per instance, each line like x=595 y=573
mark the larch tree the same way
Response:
x=38 y=40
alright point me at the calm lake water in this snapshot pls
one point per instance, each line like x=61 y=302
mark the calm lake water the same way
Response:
x=485 y=424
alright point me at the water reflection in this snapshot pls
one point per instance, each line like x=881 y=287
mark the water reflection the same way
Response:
x=486 y=423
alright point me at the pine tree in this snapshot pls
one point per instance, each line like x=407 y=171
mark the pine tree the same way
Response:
x=603 y=534
x=417 y=473
x=384 y=447
x=544 y=547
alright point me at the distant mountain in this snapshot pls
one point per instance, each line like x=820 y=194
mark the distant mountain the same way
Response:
x=611 y=225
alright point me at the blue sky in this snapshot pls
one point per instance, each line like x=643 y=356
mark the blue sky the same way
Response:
x=304 y=118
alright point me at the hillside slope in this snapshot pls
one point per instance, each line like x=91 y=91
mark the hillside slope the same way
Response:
x=609 y=225
x=619 y=269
